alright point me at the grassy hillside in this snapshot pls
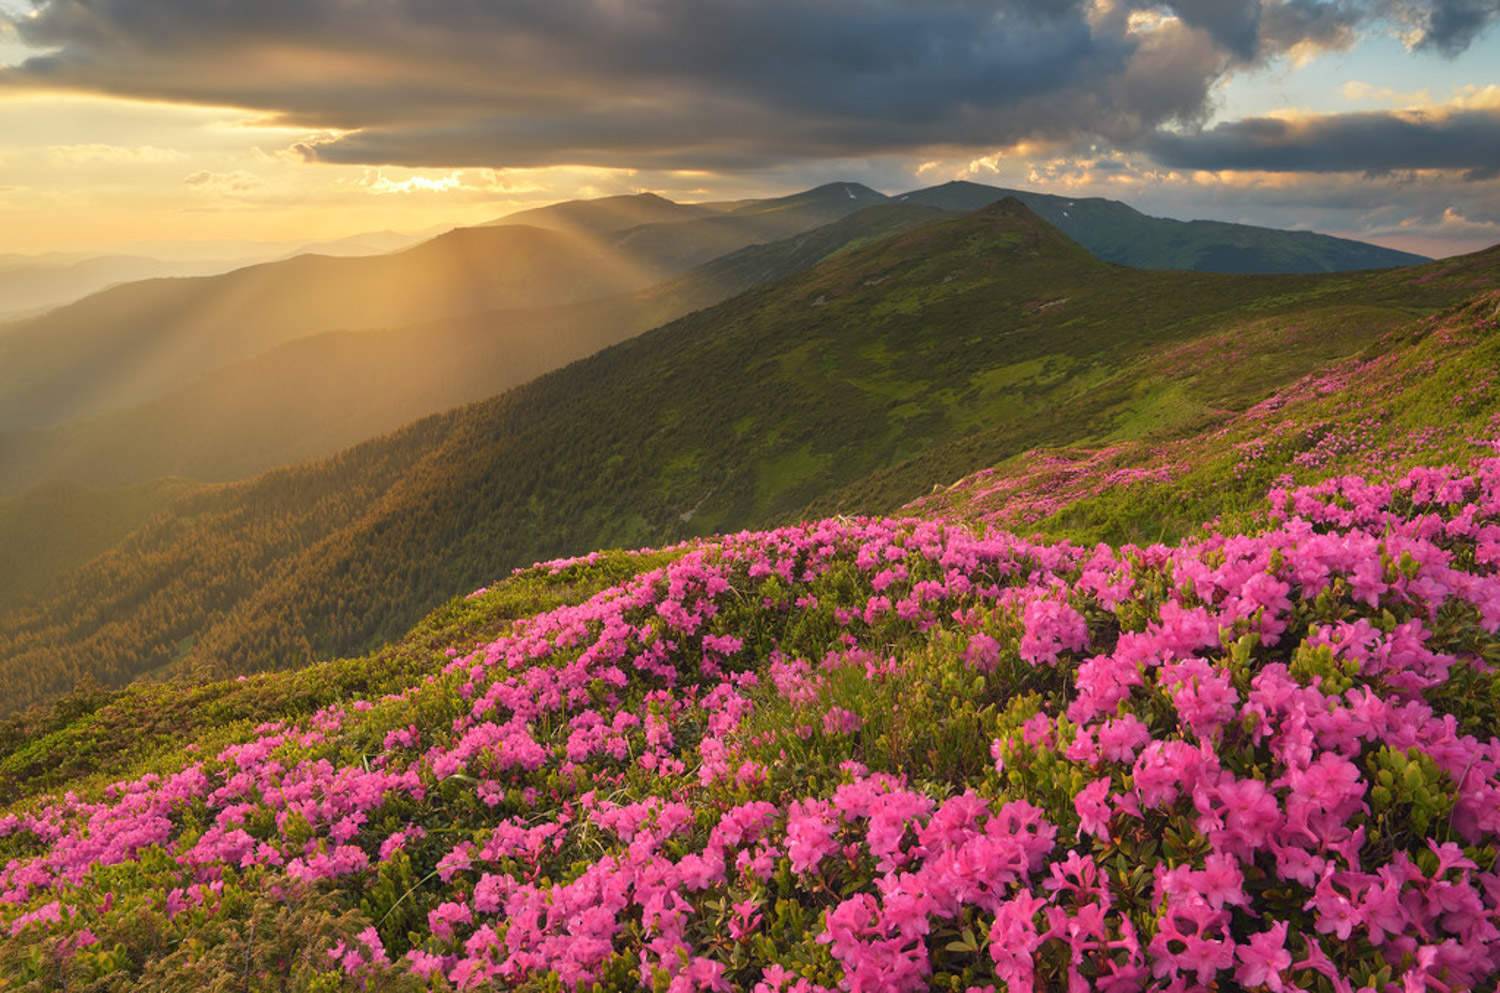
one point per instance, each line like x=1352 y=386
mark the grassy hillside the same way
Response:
x=961 y=339
x=314 y=396
x=1425 y=393
x=1119 y=233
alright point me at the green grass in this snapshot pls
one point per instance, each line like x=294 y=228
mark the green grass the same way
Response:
x=1425 y=393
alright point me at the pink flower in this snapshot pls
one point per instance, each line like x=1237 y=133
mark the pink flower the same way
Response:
x=1120 y=738
x=982 y=653
x=1092 y=804
x=1264 y=960
x=841 y=721
x=1052 y=627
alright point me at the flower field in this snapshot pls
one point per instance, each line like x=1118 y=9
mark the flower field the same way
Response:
x=864 y=755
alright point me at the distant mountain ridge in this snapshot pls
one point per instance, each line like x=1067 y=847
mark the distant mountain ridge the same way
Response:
x=129 y=344
x=1117 y=232
x=312 y=396
x=678 y=236
x=135 y=342
x=30 y=286
x=906 y=361
x=1112 y=230
x=605 y=215
x=126 y=344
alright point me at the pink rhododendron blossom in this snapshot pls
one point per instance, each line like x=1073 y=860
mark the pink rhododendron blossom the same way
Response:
x=1184 y=794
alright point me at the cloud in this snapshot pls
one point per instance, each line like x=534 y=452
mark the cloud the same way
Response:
x=683 y=84
x=237 y=181
x=1451 y=26
x=1358 y=91
x=1233 y=24
x=1370 y=142
x=87 y=154
x=380 y=184
x=1304 y=27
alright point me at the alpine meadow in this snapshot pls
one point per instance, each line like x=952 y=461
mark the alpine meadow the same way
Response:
x=692 y=496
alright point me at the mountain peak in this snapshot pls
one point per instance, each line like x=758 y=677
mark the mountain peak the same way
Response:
x=852 y=190
x=839 y=194
x=604 y=215
x=1016 y=214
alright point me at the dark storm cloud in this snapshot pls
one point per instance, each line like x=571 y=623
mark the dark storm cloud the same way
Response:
x=661 y=84
x=1373 y=142
x=654 y=83
x=1324 y=24
x=657 y=82
x=1450 y=26
x=1234 y=24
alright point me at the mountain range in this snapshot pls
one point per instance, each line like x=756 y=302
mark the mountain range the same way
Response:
x=1119 y=233
x=33 y=284
x=219 y=377
x=896 y=363
x=318 y=393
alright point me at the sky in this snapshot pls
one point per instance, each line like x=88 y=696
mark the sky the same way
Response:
x=184 y=126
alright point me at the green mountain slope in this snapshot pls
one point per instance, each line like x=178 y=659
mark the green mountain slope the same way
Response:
x=1397 y=395
x=54 y=529
x=743 y=413
x=1424 y=393
x=1119 y=233
x=318 y=394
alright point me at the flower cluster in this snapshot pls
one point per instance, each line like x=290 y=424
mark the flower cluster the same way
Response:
x=881 y=754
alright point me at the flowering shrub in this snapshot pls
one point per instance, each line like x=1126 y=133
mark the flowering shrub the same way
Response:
x=1422 y=394
x=863 y=755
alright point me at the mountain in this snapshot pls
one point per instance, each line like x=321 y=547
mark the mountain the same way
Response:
x=877 y=373
x=684 y=243
x=131 y=344
x=606 y=215
x=32 y=284
x=1119 y=233
x=53 y=529
x=126 y=344
x=315 y=395
x=680 y=236
x=825 y=194
x=365 y=243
